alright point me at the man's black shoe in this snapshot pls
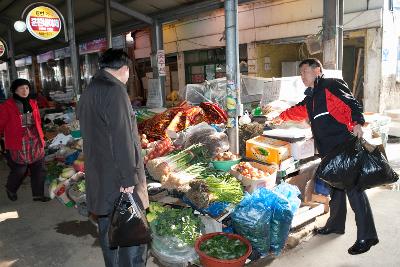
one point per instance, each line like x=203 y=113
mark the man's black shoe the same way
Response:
x=327 y=231
x=362 y=246
x=11 y=196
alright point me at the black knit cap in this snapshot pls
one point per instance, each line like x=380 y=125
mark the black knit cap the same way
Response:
x=17 y=83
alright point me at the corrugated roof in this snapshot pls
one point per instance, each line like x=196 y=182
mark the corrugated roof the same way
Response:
x=90 y=19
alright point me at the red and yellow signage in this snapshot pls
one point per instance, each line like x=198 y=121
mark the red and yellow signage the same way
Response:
x=43 y=23
x=2 y=49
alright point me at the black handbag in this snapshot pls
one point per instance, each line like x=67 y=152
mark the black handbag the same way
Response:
x=128 y=224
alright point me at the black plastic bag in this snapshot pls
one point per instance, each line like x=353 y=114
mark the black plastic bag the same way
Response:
x=375 y=170
x=340 y=168
x=128 y=224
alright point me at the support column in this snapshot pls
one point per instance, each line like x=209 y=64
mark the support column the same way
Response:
x=181 y=70
x=373 y=70
x=233 y=103
x=107 y=12
x=157 y=45
x=35 y=75
x=340 y=36
x=330 y=34
x=11 y=56
x=73 y=47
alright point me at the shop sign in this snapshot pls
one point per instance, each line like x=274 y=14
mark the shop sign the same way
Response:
x=45 y=57
x=93 y=46
x=161 y=62
x=25 y=61
x=43 y=23
x=62 y=53
x=2 y=49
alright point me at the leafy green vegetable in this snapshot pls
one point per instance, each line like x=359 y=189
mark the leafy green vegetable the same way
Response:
x=81 y=186
x=225 y=188
x=223 y=247
x=180 y=223
x=154 y=210
x=54 y=170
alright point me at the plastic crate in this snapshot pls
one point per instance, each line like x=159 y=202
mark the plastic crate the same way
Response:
x=321 y=187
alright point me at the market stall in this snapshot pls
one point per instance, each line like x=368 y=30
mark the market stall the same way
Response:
x=208 y=206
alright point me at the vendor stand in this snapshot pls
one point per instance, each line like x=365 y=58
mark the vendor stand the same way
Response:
x=264 y=194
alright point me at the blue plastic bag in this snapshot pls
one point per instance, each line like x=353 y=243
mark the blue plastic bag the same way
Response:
x=286 y=204
x=280 y=224
x=291 y=193
x=251 y=219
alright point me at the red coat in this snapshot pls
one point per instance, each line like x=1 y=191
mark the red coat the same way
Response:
x=11 y=124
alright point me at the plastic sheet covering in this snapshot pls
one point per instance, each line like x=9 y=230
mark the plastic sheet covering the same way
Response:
x=203 y=133
x=210 y=91
x=171 y=251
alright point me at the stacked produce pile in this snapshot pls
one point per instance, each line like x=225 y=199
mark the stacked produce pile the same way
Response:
x=179 y=118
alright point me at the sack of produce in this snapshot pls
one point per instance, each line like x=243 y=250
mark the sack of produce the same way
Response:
x=174 y=234
x=251 y=219
x=280 y=224
x=291 y=193
x=375 y=170
x=212 y=141
x=341 y=167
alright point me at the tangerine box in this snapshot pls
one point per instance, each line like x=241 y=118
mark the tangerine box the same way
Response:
x=267 y=149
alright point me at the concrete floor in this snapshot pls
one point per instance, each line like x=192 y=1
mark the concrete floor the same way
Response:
x=49 y=234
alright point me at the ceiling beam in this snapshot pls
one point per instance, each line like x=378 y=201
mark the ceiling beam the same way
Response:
x=130 y=12
x=163 y=16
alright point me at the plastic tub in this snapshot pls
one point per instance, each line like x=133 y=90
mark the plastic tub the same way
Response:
x=76 y=134
x=208 y=261
x=225 y=165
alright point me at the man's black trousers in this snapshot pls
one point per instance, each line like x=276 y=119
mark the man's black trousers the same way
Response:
x=360 y=205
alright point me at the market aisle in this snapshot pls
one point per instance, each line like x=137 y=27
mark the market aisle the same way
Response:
x=49 y=234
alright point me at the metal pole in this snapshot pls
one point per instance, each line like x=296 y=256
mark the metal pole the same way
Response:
x=11 y=56
x=233 y=104
x=73 y=47
x=108 y=23
x=156 y=45
x=330 y=34
x=340 y=36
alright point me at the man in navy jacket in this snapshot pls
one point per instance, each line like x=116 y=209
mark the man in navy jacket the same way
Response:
x=335 y=115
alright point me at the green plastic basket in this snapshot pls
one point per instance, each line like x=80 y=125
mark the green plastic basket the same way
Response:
x=225 y=165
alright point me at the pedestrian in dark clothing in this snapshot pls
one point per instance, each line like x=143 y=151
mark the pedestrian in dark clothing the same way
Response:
x=112 y=151
x=24 y=143
x=335 y=115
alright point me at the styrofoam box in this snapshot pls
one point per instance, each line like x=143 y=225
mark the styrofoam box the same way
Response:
x=302 y=149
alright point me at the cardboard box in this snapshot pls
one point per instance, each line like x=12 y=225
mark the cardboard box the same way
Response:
x=267 y=149
x=321 y=199
x=302 y=149
x=251 y=185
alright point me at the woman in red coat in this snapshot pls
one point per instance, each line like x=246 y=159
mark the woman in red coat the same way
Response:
x=21 y=126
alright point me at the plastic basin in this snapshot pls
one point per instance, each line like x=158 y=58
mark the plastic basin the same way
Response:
x=208 y=261
x=225 y=165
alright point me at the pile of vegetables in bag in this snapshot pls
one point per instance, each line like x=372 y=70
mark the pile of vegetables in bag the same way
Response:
x=177 y=170
x=223 y=247
x=181 y=224
x=217 y=186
